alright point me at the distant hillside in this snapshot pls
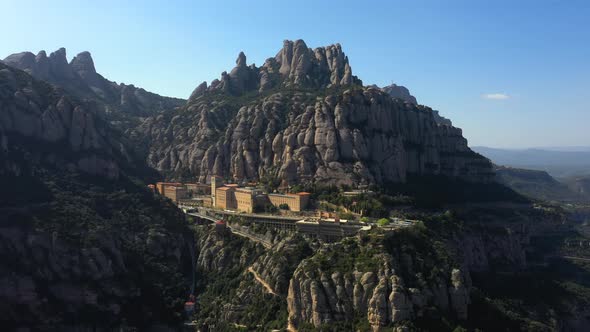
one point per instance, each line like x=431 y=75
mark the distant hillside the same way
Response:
x=535 y=184
x=558 y=163
x=579 y=184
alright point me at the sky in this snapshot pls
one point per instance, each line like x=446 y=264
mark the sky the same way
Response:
x=511 y=74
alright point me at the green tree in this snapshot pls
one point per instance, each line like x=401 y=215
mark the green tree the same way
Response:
x=383 y=222
x=347 y=216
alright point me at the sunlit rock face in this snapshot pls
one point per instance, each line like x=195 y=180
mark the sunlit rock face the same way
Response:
x=302 y=116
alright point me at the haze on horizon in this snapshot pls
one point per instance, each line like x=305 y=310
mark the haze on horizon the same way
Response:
x=511 y=75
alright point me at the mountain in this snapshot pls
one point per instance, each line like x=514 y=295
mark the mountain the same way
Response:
x=471 y=269
x=579 y=184
x=303 y=117
x=79 y=78
x=536 y=184
x=401 y=92
x=556 y=162
x=83 y=244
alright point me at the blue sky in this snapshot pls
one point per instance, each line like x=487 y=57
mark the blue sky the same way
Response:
x=531 y=58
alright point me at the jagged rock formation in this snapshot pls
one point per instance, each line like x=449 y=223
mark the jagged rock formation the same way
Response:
x=79 y=78
x=401 y=92
x=76 y=231
x=219 y=252
x=227 y=290
x=257 y=122
x=385 y=285
x=45 y=280
x=441 y=120
x=36 y=111
x=295 y=65
x=378 y=280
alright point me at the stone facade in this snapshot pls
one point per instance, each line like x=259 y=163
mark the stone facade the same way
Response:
x=175 y=193
x=225 y=198
x=216 y=181
x=198 y=188
x=161 y=186
x=232 y=197
x=296 y=202
x=245 y=199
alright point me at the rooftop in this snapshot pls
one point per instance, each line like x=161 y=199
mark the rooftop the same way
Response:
x=170 y=183
x=174 y=187
x=246 y=189
x=284 y=195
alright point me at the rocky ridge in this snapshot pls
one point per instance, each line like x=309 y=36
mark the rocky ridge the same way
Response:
x=370 y=282
x=39 y=112
x=401 y=92
x=311 y=120
x=384 y=286
x=295 y=65
x=76 y=227
x=79 y=78
x=45 y=281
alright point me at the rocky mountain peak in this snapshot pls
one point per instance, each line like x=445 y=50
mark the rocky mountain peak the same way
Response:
x=41 y=55
x=401 y=92
x=59 y=66
x=21 y=59
x=322 y=67
x=295 y=65
x=198 y=91
x=59 y=55
x=79 y=78
x=83 y=63
x=241 y=60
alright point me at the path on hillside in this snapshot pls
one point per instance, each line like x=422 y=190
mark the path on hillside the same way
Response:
x=261 y=281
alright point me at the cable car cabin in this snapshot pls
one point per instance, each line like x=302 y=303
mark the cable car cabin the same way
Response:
x=189 y=308
x=220 y=226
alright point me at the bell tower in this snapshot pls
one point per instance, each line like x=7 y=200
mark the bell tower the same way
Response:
x=216 y=181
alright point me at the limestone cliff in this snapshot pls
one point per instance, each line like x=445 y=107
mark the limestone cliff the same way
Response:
x=37 y=112
x=431 y=276
x=384 y=281
x=303 y=117
x=401 y=92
